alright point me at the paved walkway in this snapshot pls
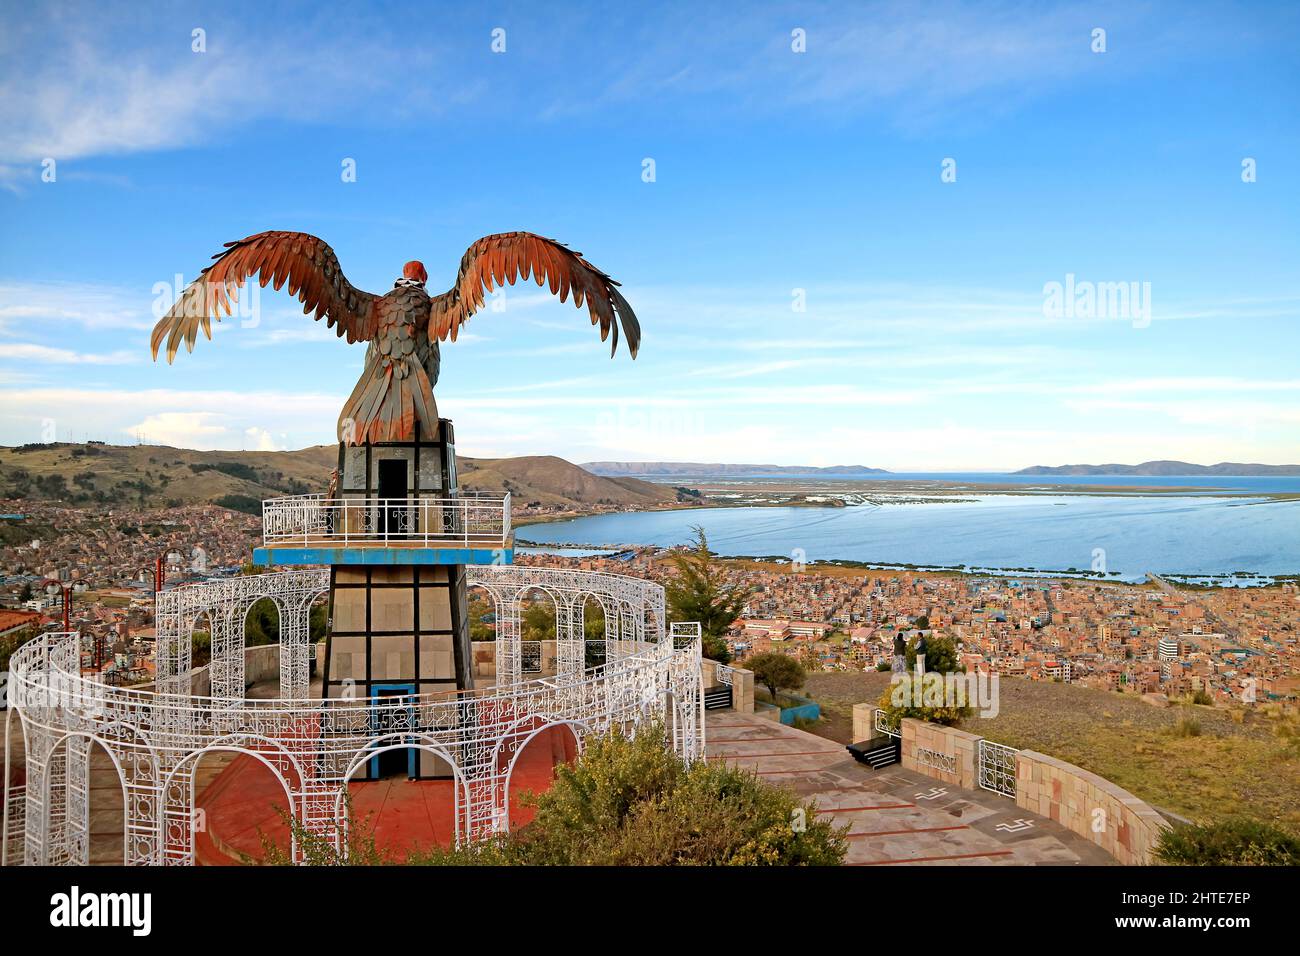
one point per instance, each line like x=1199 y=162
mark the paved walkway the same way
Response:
x=894 y=815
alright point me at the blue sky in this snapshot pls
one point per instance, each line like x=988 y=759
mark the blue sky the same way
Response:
x=926 y=341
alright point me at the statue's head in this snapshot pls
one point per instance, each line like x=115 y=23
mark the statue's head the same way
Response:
x=415 y=270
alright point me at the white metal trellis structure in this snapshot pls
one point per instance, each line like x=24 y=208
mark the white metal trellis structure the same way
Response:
x=155 y=739
x=996 y=767
x=633 y=607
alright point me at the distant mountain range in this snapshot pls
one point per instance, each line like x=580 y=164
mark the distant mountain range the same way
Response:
x=156 y=476
x=1170 y=468
x=670 y=468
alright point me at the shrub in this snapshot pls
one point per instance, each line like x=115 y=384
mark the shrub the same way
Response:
x=1188 y=725
x=1235 y=842
x=900 y=706
x=355 y=843
x=630 y=801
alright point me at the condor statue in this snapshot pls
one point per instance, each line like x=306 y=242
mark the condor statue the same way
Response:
x=393 y=400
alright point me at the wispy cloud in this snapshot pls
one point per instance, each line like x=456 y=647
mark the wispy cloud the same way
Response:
x=53 y=305
x=918 y=65
x=95 y=82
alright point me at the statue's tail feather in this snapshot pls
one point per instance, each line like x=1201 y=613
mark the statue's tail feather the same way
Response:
x=390 y=405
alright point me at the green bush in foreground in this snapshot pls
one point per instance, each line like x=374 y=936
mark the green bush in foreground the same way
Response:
x=631 y=801
x=1237 y=842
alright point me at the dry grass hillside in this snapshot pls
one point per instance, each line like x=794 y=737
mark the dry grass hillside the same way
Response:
x=547 y=480
x=158 y=475
x=1205 y=763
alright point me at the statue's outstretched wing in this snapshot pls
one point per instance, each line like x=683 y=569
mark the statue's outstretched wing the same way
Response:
x=305 y=262
x=497 y=260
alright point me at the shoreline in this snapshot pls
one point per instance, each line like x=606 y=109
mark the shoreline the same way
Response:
x=1200 y=580
x=780 y=563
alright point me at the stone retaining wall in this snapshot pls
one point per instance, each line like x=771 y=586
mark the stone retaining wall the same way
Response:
x=1124 y=826
x=944 y=753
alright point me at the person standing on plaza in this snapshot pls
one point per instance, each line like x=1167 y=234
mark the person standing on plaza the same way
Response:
x=900 y=654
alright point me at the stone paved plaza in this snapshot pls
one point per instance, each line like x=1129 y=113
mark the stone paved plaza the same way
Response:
x=894 y=815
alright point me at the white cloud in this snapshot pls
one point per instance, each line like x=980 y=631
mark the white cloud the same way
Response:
x=261 y=439
x=26 y=351
x=181 y=429
x=192 y=419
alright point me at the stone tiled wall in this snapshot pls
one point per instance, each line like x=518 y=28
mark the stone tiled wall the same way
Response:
x=864 y=721
x=1092 y=806
x=930 y=748
x=742 y=691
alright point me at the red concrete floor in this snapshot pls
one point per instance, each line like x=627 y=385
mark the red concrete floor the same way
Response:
x=242 y=801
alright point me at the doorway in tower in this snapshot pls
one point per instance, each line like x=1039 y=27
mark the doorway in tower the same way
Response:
x=392 y=485
x=391 y=714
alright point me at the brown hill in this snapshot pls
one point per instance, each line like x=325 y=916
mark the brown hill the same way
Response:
x=547 y=480
x=158 y=475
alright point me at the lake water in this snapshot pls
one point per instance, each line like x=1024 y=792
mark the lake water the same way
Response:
x=1185 y=535
x=1255 y=484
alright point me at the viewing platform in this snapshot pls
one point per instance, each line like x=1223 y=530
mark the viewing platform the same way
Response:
x=313 y=529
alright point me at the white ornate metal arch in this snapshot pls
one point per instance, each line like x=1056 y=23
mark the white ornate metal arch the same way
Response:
x=313 y=746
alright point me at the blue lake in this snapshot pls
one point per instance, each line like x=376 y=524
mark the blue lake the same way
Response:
x=1180 y=535
x=1252 y=484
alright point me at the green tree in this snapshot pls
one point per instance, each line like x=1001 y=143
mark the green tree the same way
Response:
x=699 y=592
x=537 y=623
x=317 y=619
x=200 y=648
x=262 y=624
x=482 y=625
x=776 y=672
x=593 y=630
x=940 y=655
x=11 y=642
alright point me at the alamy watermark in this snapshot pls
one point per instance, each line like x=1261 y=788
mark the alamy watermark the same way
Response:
x=978 y=690
x=1084 y=299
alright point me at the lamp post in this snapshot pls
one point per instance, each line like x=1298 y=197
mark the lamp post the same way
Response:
x=54 y=587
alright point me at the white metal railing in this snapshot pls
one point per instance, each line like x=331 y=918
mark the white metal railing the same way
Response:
x=11 y=841
x=996 y=766
x=314 y=747
x=314 y=519
x=883 y=725
x=726 y=674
